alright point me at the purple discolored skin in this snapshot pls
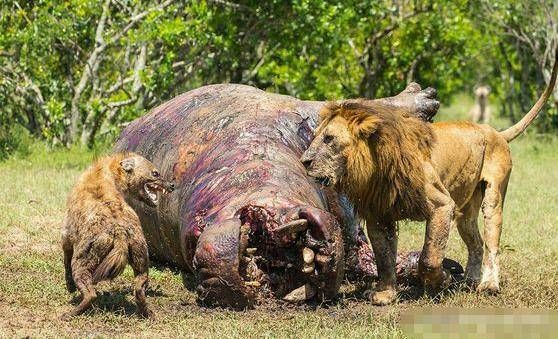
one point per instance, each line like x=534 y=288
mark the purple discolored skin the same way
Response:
x=244 y=209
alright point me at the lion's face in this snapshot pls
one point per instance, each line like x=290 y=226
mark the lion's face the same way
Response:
x=326 y=158
x=374 y=155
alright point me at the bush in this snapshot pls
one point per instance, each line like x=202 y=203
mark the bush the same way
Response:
x=14 y=140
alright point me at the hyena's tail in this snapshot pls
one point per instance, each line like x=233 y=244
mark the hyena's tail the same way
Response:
x=114 y=263
x=68 y=249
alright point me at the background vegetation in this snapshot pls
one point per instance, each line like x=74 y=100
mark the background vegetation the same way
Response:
x=73 y=72
x=76 y=71
x=33 y=294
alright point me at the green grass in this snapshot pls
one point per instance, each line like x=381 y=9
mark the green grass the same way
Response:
x=33 y=296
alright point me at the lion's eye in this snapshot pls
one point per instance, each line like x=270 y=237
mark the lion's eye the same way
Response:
x=328 y=139
x=155 y=174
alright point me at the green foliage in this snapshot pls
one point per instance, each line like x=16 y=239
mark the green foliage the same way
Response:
x=74 y=71
x=518 y=54
x=32 y=208
x=14 y=140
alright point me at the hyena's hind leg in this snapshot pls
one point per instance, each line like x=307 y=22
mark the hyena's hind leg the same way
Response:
x=84 y=283
x=68 y=249
x=139 y=260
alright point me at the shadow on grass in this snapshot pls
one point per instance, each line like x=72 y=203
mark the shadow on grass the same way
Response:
x=188 y=279
x=116 y=301
x=358 y=291
x=409 y=290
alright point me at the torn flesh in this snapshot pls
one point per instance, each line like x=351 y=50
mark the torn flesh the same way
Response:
x=282 y=261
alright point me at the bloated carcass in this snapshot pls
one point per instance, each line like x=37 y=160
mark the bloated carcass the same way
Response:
x=245 y=218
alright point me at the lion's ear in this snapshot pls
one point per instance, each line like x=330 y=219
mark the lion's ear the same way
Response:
x=366 y=126
x=328 y=110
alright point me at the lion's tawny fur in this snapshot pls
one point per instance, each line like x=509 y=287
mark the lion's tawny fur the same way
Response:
x=394 y=167
x=384 y=174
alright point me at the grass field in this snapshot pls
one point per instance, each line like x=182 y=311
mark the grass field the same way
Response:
x=33 y=295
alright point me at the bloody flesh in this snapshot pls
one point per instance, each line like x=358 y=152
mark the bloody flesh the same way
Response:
x=244 y=211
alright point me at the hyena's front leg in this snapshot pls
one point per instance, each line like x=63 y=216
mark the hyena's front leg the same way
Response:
x=139 y=260
x=441 y=212
x=383 y=237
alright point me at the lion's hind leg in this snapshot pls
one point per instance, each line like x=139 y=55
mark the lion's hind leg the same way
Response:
x=467 y=224
x=492 y=208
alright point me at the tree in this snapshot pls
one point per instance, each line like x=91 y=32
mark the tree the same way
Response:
x=525 y=40
x=75 y=71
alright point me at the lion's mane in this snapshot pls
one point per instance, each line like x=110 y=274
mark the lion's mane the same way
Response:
x=384 y=177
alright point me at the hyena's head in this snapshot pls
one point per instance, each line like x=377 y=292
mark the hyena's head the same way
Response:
x=141 y=180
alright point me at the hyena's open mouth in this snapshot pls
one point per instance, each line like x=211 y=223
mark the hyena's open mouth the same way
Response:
x=152 y=188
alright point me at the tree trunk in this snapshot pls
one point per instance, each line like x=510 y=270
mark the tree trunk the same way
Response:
x=91 y=64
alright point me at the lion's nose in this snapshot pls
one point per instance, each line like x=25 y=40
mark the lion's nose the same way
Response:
x=307 y=163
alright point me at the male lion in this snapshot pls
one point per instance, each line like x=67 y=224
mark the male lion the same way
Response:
x=393 y=166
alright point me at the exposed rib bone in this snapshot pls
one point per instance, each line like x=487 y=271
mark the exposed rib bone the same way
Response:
x=252 y=270
x=252 y=283
x=308 y=268
x=302 y=293
x=243 y=238
x=294 y=226
x=307 y=255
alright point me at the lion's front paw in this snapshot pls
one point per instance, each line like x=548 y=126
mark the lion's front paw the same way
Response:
x=436 y=281
x=382 y=298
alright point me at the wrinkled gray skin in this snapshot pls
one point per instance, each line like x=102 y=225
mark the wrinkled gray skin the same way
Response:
x=244 y=210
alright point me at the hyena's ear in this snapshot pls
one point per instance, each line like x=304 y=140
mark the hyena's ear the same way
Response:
x=128 y=164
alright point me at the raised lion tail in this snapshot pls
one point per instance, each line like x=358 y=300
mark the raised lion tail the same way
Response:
x=515 y=130
x=114 y=263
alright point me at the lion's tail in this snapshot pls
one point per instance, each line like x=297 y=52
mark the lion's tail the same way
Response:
x=515 y=130
x=114 y=263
